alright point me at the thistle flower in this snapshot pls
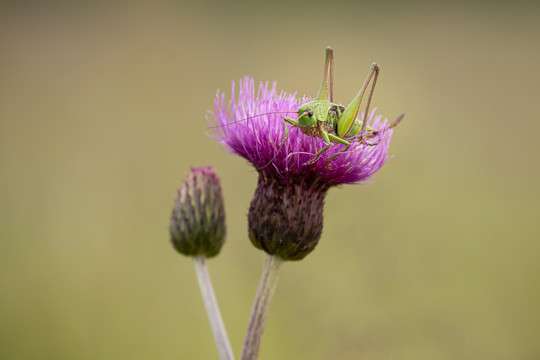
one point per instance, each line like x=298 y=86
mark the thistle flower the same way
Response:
x=198 y=217
x=285 y=216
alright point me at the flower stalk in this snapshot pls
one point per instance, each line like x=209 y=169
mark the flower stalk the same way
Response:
x=212 y=309
x=261 y=306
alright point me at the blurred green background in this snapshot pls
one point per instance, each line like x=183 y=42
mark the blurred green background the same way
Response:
x=102 y=111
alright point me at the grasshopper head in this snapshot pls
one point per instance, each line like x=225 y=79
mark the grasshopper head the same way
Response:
x=307 y=115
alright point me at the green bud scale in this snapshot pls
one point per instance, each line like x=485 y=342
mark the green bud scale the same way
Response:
x=198 y=217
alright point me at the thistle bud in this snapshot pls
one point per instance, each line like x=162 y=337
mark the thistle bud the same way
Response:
x=198 y=217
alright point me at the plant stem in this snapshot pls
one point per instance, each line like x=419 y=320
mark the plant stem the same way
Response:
x=210 y=302
x=261 y=305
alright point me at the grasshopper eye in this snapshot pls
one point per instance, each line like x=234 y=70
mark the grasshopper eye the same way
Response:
x=310 y=113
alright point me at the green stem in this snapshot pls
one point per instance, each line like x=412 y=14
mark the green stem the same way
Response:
x=212 y=309
x=261 y=305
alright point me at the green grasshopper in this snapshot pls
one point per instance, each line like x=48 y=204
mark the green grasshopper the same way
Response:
x=332 y=122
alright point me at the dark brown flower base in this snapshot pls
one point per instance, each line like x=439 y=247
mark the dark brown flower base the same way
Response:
x=286 y=219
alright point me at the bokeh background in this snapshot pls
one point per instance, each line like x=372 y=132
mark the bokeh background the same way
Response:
x=102 y=112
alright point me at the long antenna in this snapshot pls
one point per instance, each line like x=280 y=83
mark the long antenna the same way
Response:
x=250 y=117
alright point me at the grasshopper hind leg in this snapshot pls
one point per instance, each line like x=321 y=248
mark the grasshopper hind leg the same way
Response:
x=375 y=132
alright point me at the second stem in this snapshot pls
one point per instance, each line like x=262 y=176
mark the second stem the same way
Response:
x=261 y=305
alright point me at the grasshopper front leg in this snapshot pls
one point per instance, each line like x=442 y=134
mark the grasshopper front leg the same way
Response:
x=286 y=132
x=290 y=121
x=286 y=129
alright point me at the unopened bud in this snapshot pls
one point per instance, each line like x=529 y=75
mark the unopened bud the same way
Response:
x=198 y=217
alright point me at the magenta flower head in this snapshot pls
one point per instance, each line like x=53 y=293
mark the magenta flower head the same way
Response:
x=298 y=158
